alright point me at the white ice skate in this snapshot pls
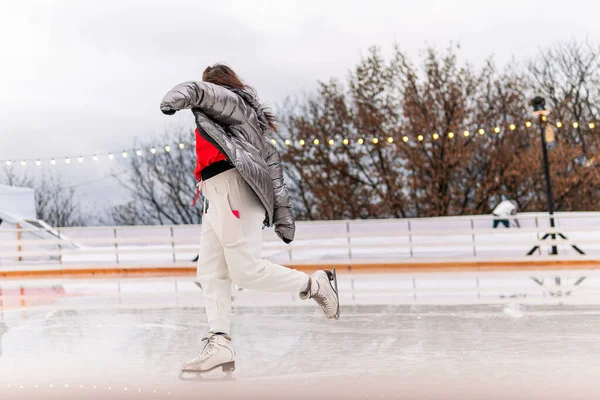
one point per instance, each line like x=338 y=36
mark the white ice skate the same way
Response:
x=217 y=353
x=321 y=289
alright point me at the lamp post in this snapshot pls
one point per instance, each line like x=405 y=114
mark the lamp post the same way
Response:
x=539 y=109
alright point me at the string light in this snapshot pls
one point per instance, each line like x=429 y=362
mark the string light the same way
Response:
x=544 y=118
x=302 y=142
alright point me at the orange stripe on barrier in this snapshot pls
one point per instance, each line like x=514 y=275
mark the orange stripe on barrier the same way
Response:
x=144 y=271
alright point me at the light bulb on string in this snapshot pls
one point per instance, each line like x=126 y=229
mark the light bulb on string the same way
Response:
x=575 y=125
x=345 y=141
x=316 y=142
x=390 y=139
x=405 y=139
x=110 y=156
x=38 y=163
x=23 y=163
x=53 y=162
x=167 y=148
x=481 y=131
x=273 y=141
x=181 y=146
x=559 y=124
x=8 y=163
x=95 y=158
x=67 y=160
x=512 y=127
x=420 y=138
x=153 y=150
x=451 y=135
x=80 y=159
x=544 y=118
x=288 y=142
x=124 y=154
x=375 y=140
x=497 y=129
x=331 y=142
x=139 y=153
x=360 y=141
x=466 y=133
x=302 y=142
x=436 y=136
x=592 y=126
x=528 y=124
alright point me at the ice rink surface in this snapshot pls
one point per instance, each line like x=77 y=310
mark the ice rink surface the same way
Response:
x=410 y=336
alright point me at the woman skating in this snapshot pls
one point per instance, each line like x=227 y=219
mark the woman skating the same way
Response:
x=240 y=175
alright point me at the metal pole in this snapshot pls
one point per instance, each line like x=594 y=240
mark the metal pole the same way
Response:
x=549 y=196
x=410 y=239
x=173 y=246
x=349 y=240
x=116 y=250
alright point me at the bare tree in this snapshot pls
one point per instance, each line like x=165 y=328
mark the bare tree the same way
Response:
x=443 y=138
x=56 y=204
x=162 y=184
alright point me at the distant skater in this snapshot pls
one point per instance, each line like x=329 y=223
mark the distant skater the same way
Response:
x=240 y=175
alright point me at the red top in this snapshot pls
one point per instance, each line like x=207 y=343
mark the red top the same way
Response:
x=206 y=154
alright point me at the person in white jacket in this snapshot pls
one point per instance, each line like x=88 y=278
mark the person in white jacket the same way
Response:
x=505 y=209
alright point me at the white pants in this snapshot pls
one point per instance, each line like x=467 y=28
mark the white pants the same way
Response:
x=230 y=249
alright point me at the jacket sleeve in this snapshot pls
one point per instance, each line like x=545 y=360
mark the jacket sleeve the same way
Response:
x=218 y=103
x=283 y=217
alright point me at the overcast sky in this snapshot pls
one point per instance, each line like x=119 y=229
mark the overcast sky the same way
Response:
x=80 y=76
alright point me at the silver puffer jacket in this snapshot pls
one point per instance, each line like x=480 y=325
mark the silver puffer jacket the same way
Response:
x=233 y=122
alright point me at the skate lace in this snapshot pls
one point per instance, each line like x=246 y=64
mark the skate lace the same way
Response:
x=207 y=350
x=322 y=300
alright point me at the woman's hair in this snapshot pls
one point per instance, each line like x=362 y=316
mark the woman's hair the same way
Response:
x=223 y=75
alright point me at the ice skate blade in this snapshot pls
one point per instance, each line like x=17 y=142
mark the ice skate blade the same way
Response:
x=333 y=278
x=191 y=375
x=199 y=377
